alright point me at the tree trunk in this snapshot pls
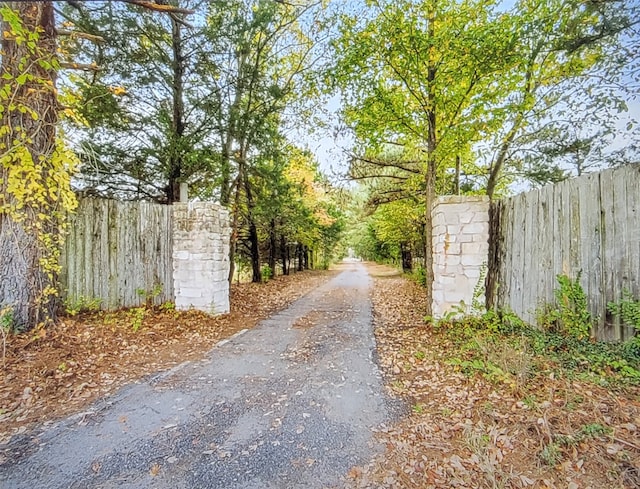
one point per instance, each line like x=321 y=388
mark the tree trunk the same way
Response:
x=256 y=275
x=527 y=102
x=456 y=187
x=430 y=177
x=405 y=251
x=273 y=246
x=25 y=288
x=283 y=255
x=233 y=239
x=227 y=145
x=177 y=123
x=428 y=236
x=300 y=257
x=424 y=245
x=225 y=171
x=305 y=257
x=496 y=167
x=253 y=230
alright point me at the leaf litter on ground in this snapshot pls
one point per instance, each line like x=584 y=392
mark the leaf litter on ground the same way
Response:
x=535 y=430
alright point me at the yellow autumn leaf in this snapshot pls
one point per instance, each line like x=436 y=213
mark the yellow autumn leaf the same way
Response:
x=118 y=91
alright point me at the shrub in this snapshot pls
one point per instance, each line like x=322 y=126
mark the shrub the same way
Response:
x=420 y=276
x=267 y=273
x=570 y=315
x=628 y=310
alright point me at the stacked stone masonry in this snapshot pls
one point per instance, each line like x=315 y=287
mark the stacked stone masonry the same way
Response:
x=460 y=247
x=201 y=235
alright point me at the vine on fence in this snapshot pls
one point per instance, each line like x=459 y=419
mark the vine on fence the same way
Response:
x=628 y=310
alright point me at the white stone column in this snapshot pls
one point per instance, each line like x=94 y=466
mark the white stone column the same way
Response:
x=460 y=250
x=201 y=257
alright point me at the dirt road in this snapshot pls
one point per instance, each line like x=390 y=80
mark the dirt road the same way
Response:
x=288 y=404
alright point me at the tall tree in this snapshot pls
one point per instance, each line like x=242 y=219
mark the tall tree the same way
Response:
x=146 y=108
x=210 y=98
x=263 y=58
x=414 y=77
x=32 y=195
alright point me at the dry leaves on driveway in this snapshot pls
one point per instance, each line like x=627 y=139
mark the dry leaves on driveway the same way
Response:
x=56 y=371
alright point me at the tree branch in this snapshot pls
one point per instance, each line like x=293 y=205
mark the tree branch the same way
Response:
x=157 y=7
x=81 y=35
x=401 y=165
x=79 y=66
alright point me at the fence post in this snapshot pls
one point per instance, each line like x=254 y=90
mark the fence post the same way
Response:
x=460 y=249
x=201 y=257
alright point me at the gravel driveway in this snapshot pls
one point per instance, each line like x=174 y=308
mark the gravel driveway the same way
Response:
x=287 y=404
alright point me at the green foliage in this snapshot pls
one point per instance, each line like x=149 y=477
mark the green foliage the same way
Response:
x=420 y=276
x=503 y=348
x=551 y=454
x=419 y=355
x=469 y=367
x=379 y=235
x=267 y=273
x=6 y=326
x=81 y=304
x=137 y=316
x=530 y=401
x=593 y=430
x=167 y=306
x=397 y=222
x=138 y=85
x=502 y=78
x=478 y=305
x=149 y=295
x=628 y=310
x=6 y=320
x=570 y=315
x=572 y=302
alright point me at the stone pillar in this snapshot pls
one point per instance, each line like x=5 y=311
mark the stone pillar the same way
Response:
x=201 y=257
x=460 y=250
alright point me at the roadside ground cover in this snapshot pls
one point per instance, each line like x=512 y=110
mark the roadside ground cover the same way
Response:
x=497 y=409
x=48 y=373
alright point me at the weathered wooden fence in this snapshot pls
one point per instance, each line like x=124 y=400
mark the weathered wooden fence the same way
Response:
x=119 y=253
x=587 y=227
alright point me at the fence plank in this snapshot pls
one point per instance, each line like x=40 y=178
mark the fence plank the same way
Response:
x=610 y=252
x=625 y=231
x=545 y=234
x=115 y=249
x=591 y=250
x=588 y=226
x=515 y=289
x=508 y=220
x=632 y=179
